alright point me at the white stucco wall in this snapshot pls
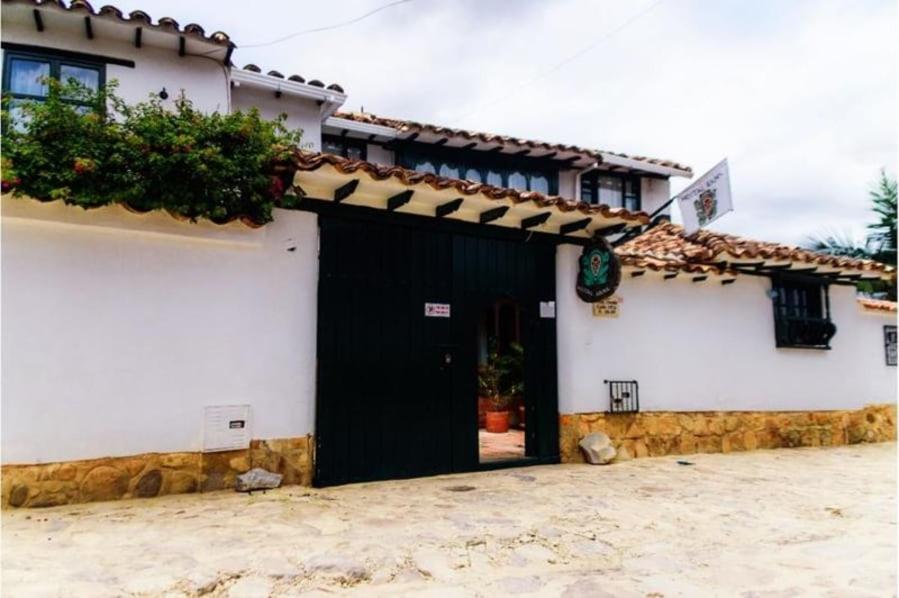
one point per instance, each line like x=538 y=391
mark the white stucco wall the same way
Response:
x=654 y=193
x=301 y=113
x=119 y=328
x=378 y=155
x=568 y=184
x=704 y=346
x=203 y=80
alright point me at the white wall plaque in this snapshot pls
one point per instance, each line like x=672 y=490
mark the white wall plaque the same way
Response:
x=547 y=309
x=226 y=428
x=437 y=310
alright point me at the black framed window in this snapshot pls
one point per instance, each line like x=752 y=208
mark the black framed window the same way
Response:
x=354 y=149
x=889 y=344
x=613 y=190
x=25 y=74
x=802 y=313
x=514 y=172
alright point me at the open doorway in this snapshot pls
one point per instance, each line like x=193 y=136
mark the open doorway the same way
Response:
x=501 y=408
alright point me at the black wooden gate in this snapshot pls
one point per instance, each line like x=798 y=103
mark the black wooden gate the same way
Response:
x=397 y=391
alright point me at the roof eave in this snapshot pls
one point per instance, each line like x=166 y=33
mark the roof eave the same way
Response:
x=329 y=99
x=643 y=165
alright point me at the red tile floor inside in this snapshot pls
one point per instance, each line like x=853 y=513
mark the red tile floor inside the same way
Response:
x=501 y=447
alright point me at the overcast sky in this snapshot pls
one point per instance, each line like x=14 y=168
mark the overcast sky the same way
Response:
x=800 y=95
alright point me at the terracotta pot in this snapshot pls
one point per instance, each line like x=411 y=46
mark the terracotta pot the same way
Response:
x=497 y=422
x=483 y=406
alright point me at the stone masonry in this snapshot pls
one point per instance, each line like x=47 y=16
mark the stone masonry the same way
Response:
x=152 y=474
x=654 y=434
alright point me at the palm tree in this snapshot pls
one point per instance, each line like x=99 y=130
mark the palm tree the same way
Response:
x=883 y=232
x=880 y=245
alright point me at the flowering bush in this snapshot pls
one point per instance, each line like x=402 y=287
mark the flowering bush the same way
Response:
x=90 y=149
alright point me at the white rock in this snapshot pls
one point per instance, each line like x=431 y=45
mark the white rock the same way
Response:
x=597 y=448
x=257 y=479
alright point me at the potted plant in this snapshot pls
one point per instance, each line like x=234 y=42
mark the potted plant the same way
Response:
x=500 y=381
x=484 y=391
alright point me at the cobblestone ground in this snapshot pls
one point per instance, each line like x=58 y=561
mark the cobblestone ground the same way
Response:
x=791 y=522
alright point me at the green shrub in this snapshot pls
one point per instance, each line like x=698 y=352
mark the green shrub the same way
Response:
x=150 y=157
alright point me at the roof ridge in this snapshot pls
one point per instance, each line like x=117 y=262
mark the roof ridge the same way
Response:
x=487 y=137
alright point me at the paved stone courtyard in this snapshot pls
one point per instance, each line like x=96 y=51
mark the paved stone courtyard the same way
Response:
x=790 y=522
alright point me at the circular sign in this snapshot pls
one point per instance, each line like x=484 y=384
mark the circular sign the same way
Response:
x=599 y=271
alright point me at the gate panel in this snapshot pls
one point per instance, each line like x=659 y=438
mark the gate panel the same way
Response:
x=397 y=391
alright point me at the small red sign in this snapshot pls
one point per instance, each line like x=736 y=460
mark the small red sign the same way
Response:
x=437 y=310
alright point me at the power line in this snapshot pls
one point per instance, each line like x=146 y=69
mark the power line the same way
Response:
x=327 y=27
x=565 y=61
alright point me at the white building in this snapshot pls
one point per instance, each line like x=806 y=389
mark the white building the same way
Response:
x=137 y=348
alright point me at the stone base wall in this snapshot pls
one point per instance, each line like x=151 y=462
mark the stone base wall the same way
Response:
x=152 y=474
x=654 y=434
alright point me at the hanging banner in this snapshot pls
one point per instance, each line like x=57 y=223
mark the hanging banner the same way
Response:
x=707 y=199
x=599 y=271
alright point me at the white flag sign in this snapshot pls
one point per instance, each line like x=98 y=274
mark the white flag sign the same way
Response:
x=707 y=199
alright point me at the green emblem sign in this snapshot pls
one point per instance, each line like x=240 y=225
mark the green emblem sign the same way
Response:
x=599 y=271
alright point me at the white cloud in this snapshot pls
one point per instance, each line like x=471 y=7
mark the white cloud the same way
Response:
x=800 y=95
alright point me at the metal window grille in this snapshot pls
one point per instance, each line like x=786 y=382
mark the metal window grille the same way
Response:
x=889 y=344
x=624 y=396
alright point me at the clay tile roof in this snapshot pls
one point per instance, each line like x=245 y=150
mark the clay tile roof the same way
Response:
x=295 y=78
x=309 y=161
x=404 y=126
x=667 y=241
x=877 y=305
x=167 y=24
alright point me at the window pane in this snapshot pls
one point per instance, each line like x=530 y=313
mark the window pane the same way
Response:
x=449 y=170
x=89 y=78
x=540 y=184
x=332 y=147
x=26 y=76
x=425 y=166
x=354 y=152
x=495 y=178
x=473 y=175
x=17 y=116
x=518 y=181
x=587 y=190
x=610 y=191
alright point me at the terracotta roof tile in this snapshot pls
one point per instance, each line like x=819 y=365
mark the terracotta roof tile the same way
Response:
x=667 y=241
x=295 y=78
x=167 y=24
x=411 y=126
x=308 y=161
x=877 y=305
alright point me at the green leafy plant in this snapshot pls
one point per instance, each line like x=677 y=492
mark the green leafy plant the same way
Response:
x=501 y=379
x=91 y=149
x=880 y=244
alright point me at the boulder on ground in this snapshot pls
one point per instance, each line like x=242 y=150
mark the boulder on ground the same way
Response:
x=597 y=448
x=257 y=479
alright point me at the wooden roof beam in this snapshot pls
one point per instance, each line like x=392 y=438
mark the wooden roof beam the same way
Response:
x=533 y=221
x=399 y=200
x=345 y=190
x=448 y=208
x=492 y=214
x=571 y=227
